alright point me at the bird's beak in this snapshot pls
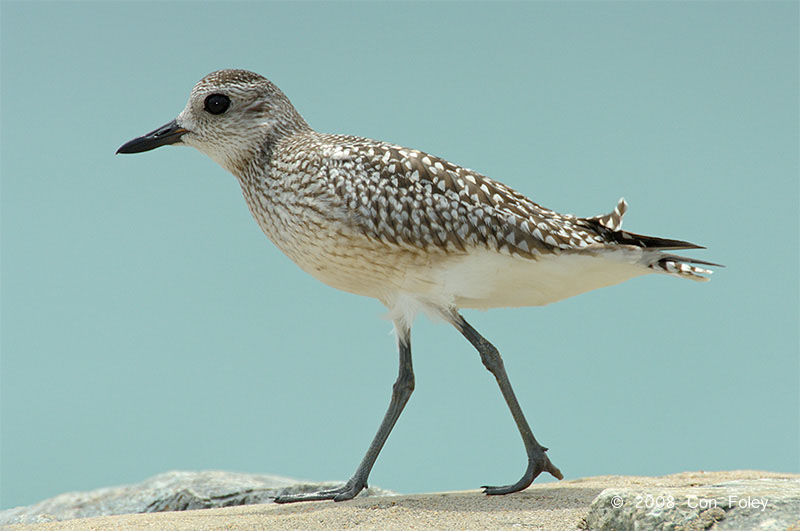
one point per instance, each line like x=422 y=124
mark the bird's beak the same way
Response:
x=166 y=134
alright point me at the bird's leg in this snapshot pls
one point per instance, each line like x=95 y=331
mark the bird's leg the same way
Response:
x=537 y=459
x=401 y=392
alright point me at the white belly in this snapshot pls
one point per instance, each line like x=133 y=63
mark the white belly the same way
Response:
x=489 y=280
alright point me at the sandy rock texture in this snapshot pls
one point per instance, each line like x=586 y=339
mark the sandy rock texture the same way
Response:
x=564 y=505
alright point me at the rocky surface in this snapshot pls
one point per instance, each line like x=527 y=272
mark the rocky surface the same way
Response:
x=171 y=491
x=583 y=503
x=758 y=504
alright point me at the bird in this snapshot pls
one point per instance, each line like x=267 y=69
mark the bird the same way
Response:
x=416 y=232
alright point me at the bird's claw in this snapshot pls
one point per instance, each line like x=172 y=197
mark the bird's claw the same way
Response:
x=536 y=465
x=348 y=491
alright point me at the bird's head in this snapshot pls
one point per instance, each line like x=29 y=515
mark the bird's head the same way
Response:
x=231 y=116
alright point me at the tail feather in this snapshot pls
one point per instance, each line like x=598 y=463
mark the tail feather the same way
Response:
x=651 y=242
x=610 y=225
x=613 y=220
x=682 y=267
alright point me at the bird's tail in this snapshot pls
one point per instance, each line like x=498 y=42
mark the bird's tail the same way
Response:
x=611 y=225
x=682 y=267
x=613 y=220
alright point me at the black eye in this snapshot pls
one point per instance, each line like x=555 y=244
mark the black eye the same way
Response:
x=217 y=103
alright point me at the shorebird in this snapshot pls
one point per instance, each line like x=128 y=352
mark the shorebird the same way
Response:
x=416 y=232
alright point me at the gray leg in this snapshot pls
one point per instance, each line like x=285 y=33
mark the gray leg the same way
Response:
x=401 y=392
x=537 y=459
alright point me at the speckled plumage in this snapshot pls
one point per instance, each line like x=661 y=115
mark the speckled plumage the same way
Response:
x=411 y=229
x=390 y=222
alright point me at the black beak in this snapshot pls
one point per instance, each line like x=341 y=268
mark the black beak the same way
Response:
x=166 y=134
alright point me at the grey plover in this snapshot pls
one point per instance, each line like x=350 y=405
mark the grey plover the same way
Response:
x=408 y=228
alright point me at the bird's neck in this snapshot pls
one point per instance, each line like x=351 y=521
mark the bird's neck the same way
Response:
x=256 y=161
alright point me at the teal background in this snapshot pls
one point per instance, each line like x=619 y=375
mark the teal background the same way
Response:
x=148 y=325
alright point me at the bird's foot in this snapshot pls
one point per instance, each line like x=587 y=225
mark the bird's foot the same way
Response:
x=347 y=491
x=537 y=463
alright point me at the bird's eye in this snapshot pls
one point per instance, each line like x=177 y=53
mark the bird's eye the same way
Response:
x=217 y=103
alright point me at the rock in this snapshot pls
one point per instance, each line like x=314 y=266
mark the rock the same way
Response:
x=171 y=491
x=762 y=504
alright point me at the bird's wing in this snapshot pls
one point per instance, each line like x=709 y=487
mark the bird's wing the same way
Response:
x=406 y=197
x=410 y=198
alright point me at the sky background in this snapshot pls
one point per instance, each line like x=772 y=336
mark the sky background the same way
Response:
x=148 y=325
